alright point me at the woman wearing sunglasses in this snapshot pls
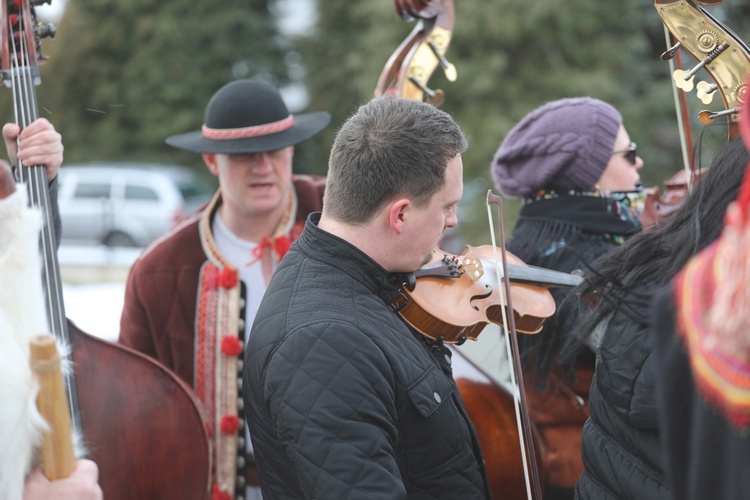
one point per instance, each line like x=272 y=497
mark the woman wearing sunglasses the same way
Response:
x=575 y=167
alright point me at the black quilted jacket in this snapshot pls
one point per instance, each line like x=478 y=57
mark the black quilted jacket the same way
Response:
x=342 y=399
x=620 y=443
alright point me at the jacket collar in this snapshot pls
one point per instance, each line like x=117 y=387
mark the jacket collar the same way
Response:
x=322 y=245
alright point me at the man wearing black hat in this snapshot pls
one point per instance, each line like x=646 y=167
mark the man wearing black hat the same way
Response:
x=192 y=295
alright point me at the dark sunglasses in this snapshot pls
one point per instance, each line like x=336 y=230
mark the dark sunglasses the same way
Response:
x=630 y=153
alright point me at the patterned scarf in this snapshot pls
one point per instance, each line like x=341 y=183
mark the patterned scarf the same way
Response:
x=610 y=214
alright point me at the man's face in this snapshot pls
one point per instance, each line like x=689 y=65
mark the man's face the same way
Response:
x=429 y=222
x=253 y=184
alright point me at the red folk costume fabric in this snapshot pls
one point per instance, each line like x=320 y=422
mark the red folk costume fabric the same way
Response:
x=183 y=306
x=219 y=327
x=712 y=299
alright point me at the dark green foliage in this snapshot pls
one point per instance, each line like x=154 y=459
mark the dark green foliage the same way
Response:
x=124 y=75
x=511 y=57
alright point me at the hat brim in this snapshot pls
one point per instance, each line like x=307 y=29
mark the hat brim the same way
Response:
x=306 y=126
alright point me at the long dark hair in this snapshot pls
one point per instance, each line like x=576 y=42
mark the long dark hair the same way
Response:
x=624 y=278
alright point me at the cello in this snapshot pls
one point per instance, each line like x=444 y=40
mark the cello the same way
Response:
x=142 y=425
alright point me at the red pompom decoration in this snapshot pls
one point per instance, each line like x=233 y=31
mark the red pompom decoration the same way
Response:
x=281 y=246
x=231 y=345
x=228 y=278
x=217 y=494
x=229 y=424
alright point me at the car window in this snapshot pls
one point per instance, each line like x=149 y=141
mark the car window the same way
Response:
x=87 y=190
x=194 y=188
x=140 y=193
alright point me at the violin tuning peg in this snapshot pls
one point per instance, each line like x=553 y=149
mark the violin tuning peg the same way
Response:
x=683 y=80
x=706 y=91
x=670 y=53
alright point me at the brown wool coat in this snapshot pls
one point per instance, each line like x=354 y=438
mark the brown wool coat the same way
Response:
x=159 y=312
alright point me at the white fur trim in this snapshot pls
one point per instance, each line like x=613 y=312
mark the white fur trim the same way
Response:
x=22 y=315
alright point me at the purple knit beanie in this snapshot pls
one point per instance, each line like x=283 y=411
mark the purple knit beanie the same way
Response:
x=563 y=145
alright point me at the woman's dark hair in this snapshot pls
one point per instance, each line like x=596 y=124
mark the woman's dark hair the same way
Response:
x=626 y=275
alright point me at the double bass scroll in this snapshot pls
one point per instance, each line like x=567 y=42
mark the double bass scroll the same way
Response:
x=721 y=53
x=411 y=65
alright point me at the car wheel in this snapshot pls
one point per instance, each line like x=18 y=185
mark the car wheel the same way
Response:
x=119 y=239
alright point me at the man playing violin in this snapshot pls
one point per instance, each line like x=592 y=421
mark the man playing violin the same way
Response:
x=343 y=398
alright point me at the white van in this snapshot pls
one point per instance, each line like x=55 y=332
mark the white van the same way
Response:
x=126 y=204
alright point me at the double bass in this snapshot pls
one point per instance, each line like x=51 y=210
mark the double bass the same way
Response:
x=142 y=426
x=725 y=58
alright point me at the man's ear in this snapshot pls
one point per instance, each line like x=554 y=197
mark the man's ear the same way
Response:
x=398 y=213
x=210 y=160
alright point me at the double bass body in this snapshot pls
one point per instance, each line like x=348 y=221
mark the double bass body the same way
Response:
x=141 y=424
x=491 y=409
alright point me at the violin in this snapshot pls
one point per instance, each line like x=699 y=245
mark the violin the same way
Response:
x=142 y=425
x=661 y=205
x=456 y=298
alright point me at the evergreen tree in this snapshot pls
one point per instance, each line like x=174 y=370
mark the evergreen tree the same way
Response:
x=511 y=57
x=123 y=76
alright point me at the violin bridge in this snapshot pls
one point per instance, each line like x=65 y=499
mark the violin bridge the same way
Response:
x=473 y=266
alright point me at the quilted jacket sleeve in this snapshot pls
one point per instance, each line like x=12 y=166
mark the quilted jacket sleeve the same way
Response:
x=332 y=400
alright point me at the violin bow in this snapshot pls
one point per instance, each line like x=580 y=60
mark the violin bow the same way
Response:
x=523 y=421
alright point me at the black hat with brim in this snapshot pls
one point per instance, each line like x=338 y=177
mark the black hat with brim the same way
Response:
x=249 y=116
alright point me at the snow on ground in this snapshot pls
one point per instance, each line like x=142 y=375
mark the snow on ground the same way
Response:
x=94 y=286
x=95 y=308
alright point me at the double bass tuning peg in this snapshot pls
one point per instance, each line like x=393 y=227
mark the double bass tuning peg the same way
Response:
x=434 y=97
x=448 y=67
x=670 y=52
x=706 y=91
x=683 y=80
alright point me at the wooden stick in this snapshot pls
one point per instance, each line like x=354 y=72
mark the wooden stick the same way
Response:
x=58 y=460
